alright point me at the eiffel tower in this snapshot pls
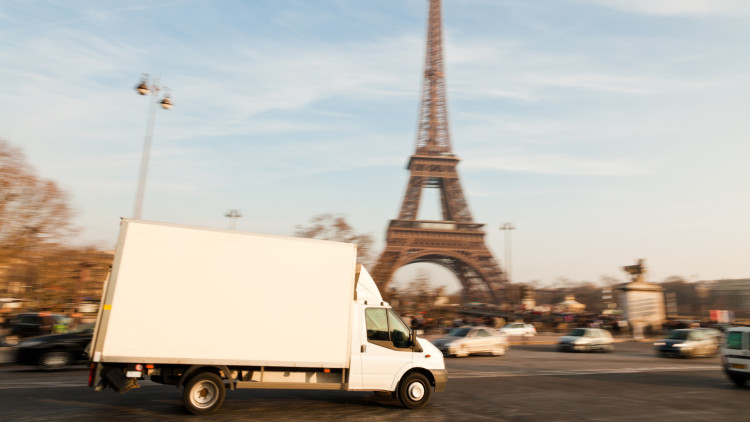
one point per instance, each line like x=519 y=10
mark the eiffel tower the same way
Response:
x=456 y=242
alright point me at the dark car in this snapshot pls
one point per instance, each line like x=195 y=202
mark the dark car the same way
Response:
x=55 y=351
x=689 y=342
x=35 y=324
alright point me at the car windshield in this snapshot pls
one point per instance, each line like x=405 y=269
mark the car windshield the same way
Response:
x=577 y=332
x=678 y=335
x=459 y=332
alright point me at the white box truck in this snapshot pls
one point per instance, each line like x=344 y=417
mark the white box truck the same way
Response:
x=209 y=309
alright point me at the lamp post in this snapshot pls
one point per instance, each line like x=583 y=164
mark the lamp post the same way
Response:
x=233 y=215
x=148 y=86
x=507 y=227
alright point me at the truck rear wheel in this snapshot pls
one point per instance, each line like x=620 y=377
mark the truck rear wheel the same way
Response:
x=414 y=391
x=204 y=393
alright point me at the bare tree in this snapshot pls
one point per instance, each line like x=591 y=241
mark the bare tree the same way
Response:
x=33 y=211
x=335 y=227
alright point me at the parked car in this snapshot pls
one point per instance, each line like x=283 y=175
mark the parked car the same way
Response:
x=55 y=351
x=586 y=339
x=735 y=355
x=35 y=323
x=689 y=342
x=519 y=329
x=463 y=341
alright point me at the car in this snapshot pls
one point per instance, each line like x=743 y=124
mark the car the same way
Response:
x=35 y=323
x=735 y=355
x=55 y=351
x=463 y=341
x=689 y=342
x=519 y=329
x=586 y=339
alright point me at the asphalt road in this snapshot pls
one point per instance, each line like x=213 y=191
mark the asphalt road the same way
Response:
x=532 y=382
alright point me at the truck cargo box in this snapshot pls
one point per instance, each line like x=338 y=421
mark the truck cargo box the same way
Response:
x=180 y=294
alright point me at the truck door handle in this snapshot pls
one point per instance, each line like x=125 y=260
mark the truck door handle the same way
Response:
x=363 y=348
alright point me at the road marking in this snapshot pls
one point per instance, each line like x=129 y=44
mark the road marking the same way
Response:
x=14 y=385
x=572 y=372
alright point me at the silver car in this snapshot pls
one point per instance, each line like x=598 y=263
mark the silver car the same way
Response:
x=463 y=341
x=690 y=342
x=586 y=339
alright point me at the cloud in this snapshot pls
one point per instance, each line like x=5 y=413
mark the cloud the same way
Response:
x=678 y=7
x=561 y=164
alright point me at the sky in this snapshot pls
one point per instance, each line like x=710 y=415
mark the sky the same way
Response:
x=606 y=131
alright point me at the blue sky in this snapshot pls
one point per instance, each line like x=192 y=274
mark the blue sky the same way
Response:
x=605 y=130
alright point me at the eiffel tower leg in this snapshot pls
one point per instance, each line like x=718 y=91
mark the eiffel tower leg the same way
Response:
x=412 y=198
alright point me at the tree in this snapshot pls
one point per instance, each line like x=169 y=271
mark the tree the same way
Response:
x=335 y=227
x=33 y=211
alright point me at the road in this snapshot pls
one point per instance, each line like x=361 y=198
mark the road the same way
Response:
x=532 y=382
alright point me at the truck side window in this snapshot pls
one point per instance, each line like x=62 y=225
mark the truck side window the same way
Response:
x=385 y=328
x=734 y=340
x=377 y=324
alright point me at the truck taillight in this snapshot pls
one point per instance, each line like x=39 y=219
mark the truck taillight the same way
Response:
x=91 y=375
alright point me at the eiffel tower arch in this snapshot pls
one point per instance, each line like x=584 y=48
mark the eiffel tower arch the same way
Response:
x=456 y=242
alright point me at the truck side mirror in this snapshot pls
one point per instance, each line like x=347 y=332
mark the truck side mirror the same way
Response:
x=413 y=343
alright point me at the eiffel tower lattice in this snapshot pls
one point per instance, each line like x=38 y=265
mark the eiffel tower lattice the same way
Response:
x=455 y=242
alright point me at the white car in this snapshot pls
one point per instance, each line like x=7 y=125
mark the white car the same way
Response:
x=463 y=341
x=586 y=339
x=519 y=329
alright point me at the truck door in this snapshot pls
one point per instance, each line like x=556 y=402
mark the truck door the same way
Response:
x=386 y=348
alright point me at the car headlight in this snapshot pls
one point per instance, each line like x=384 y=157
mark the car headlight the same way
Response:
x=682 y=345
x=660 y=344
x=580 y=341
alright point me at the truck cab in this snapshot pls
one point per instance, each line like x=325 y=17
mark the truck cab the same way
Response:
x=735 y=354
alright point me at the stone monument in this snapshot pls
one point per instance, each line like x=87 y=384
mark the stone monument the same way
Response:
x=642 y=302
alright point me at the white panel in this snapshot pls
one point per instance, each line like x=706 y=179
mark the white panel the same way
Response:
x=183 y=293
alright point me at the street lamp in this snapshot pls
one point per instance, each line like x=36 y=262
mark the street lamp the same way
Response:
x=148 y=86
x=507 y=227
x=233 y=215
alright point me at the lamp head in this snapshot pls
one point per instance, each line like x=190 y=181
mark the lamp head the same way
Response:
x=166 y=103
x=142 y=88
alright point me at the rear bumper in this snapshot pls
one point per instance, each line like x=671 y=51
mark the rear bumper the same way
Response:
x=441 y=379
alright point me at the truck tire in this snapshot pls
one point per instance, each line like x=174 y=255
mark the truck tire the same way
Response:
x=204 y=393
x=414 y=391
x=54 y=360
x=738 y=380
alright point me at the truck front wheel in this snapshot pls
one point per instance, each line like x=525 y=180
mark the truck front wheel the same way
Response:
x=414 y=391
x=204 y=393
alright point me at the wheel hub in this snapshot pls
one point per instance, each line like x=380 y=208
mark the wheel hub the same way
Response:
x=416 y=391
x=204 y=394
